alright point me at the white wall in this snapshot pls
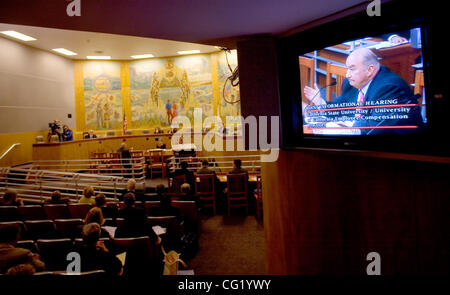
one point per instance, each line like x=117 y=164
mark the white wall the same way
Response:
x=36 y=87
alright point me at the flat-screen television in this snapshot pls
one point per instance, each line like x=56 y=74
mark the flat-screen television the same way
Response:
x=363 y=82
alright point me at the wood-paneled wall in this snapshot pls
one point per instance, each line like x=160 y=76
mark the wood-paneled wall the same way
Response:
x=324 y=212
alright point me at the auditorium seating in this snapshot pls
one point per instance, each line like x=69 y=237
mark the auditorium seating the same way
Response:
x=69 y=228
x=205 y=190
x=54 y=252
x=32 y=212
x=57 y=211
x=41 y=229
x=79 y=210
x=9 y=213
x=189 y=211
x=237 y=191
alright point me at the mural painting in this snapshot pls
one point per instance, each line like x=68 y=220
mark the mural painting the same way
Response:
x=102 y=95
x=161 y=89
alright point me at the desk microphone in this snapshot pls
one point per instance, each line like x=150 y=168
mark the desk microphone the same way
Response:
x=321 y=88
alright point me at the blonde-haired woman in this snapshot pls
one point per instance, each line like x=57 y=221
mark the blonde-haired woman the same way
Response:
x=87 y=197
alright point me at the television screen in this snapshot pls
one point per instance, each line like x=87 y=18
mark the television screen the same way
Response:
x=366 y=86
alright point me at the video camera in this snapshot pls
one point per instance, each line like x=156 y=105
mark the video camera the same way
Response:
x=54 y=126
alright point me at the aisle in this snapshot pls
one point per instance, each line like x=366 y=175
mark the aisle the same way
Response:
x=230 y=245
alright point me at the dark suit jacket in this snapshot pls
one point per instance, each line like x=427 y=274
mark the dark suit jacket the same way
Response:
x=134 y=224
x=386 y=85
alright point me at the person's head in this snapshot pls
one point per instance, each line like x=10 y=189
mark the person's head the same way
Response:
x=205 y=164
x=24 y=269
x=129 y=199
x=88 y=191
x=56 y=196
x=185 y=188
x=65 y=127
x=94 y=215
x=91 y=233
x=362 y=66
x=237 y=163
x=100 y=200
x=184 y=165
x=9 y=233
x=123 y=145
x=131 y=184
x=10 y=196
x=160 y=188
x=91 y=132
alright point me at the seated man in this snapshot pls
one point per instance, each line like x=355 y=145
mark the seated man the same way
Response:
x=94 y=254
x=11 y=256
x=368 y=83
x=190 y=179
x=237 y=164
x=219 y=187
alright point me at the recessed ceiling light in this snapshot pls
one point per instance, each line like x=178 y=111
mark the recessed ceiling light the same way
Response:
x=64 y=51
x=142 y=56
x=98 y=57
x=18 y=35
x=189 y=52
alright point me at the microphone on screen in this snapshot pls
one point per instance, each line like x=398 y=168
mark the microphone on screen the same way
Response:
x=321 y=88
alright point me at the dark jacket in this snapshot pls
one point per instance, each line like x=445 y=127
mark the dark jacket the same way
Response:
x=385 y=86
x=94 y=259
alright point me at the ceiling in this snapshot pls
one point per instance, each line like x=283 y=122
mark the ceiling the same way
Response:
x=199 y=21
x=119 y=47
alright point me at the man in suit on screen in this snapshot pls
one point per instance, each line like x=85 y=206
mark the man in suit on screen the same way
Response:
x=369 y=84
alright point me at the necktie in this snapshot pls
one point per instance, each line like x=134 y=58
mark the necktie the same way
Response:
x=361 y=97
x=361 y=102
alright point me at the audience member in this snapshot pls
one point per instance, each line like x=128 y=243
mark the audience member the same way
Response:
x=95 y=215
x=88 y=192
x=56 y=198
x=165 y=208
x=131 y=188
x=10 y=199
x=108 y=212
x=11 y=256
x=190 y=179
x=94 y=254
x=135 y=221
x=218 y=186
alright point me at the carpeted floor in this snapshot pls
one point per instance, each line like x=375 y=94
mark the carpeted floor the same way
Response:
x=230 y=245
